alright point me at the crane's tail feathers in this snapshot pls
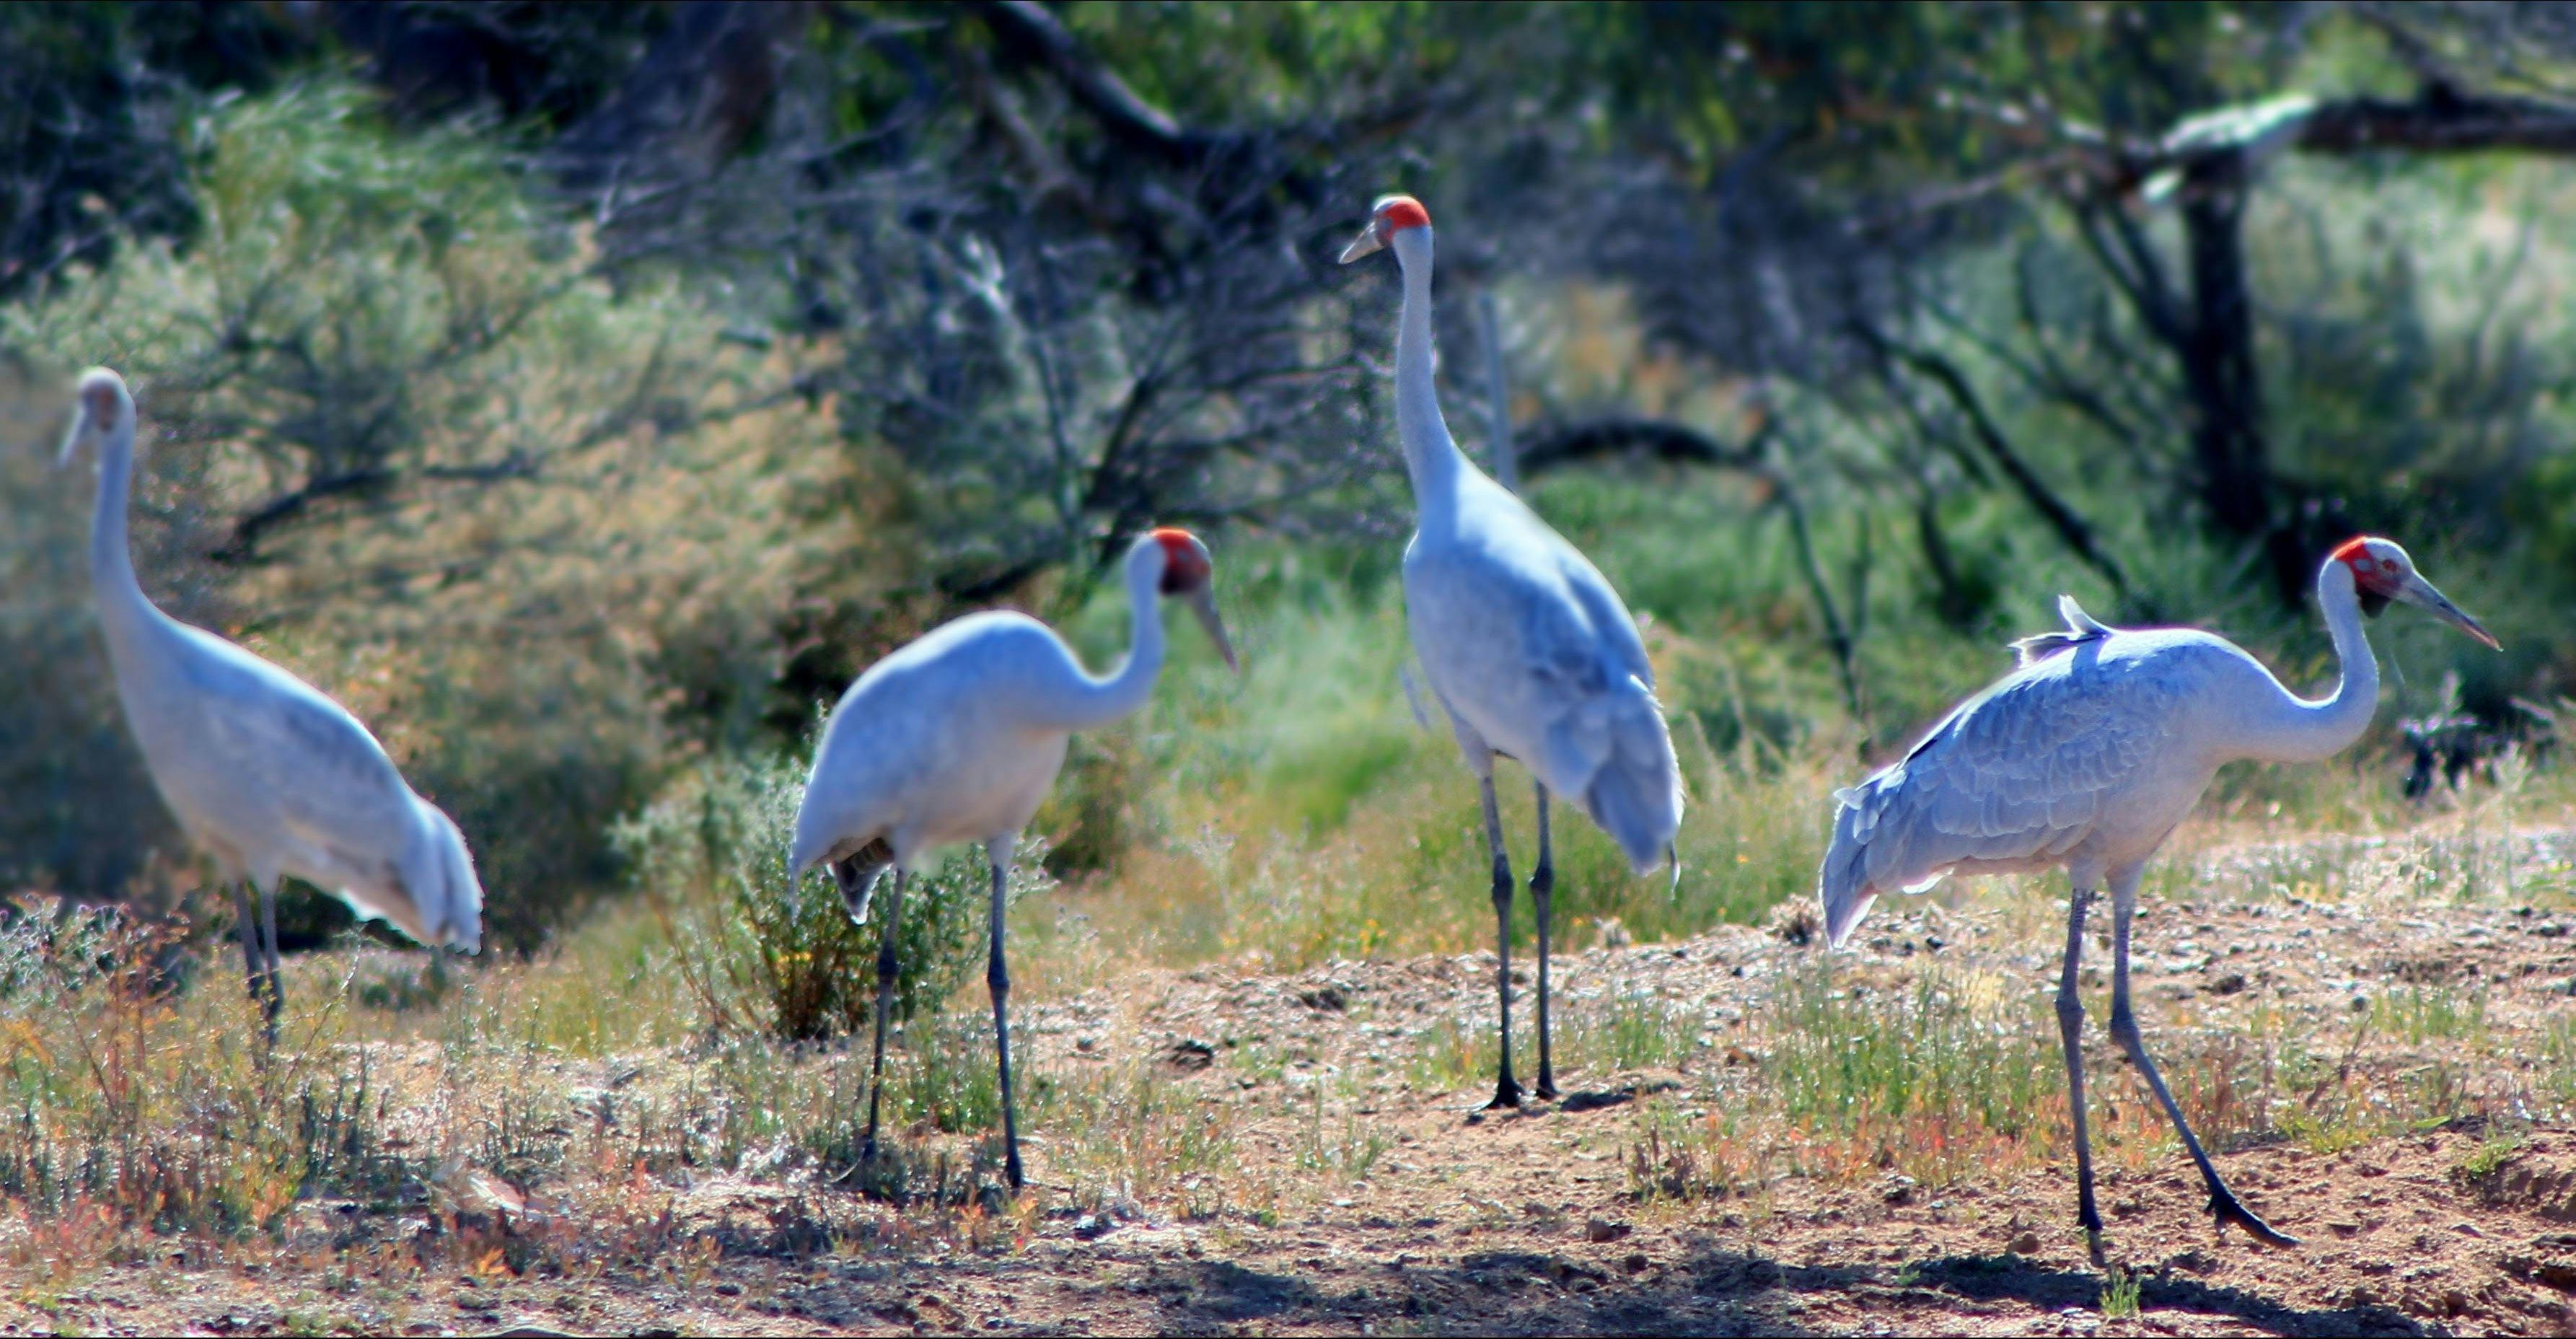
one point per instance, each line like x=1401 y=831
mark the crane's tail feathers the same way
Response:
x=1843 y=884
x=1636 y=793
x=463 y=891
x=1413 y=695
x=1846 y=884
x=1843 y=887
x=2081 y=627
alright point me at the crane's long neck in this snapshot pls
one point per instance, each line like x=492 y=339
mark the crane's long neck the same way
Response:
x=2297 y=729
x=1430 y=455
x=1119 y=693
x=123 y=610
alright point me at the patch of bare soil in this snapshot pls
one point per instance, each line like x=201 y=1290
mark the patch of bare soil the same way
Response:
x=1530 y=1222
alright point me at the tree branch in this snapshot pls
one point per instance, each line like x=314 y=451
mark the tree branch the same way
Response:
x=1028 y=34
x=2071 y=527
x=1659 y=439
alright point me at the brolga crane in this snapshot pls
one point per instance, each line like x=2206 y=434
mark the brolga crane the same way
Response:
x=264 y=773
x=2087 y=756
x=957 y=737
x=1527 y=647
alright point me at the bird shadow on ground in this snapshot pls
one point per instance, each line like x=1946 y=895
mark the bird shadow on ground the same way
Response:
x=1506 y=1292
x=1997 y=1277
x=1709 y=1292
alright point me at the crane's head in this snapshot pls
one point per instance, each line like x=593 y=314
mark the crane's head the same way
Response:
x=1188 y=574
x=101 y=404
x=2381 y=572
x=1391 y=214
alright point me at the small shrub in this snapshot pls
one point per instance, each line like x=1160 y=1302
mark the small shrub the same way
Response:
x=2120 y=1294
x=766 y=956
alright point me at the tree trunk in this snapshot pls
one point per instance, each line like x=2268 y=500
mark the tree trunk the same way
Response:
x=2231 y=455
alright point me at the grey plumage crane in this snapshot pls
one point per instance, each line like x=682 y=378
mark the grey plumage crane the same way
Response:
x=957 y=737
x=264 y=773
x=2087 y=756
x=1527 y=646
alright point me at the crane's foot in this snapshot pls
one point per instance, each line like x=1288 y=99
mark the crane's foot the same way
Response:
x=2226 y=1208
x=1546 y=1088
x=1011 y=1169
x=1507 y=1095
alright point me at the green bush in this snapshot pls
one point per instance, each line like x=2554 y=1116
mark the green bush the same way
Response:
x=401 y=438
x=764 y=955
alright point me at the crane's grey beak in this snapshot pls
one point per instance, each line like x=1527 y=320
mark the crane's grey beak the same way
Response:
x=2417 y=591
x=1370 y=239
x=72 y=436
x=1202 y=602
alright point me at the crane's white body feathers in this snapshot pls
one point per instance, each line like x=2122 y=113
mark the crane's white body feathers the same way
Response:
x=273 y=778
x=1529 y=649
x=265 y=772
x=2087 y=755
x=957 y=736
x=936 y=744
x=1534 y=657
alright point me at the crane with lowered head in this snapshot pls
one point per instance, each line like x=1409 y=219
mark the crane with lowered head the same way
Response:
x=265 y=773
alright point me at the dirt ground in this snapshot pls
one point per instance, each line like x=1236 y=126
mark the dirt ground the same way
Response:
x=1529 y=1222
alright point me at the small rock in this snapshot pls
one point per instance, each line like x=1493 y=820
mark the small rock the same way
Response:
x=1602 y=1229
x=2026 y=1244
x=1898 y=1188
x=2230 y=984
x=1793 y=922
x=1324 y=999
x=1636 y=1262
x=1189 y=1053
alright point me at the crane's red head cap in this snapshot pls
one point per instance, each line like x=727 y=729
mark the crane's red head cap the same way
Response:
x=1391 y=214
x=1396 y=213
x=2379 y=570
x=2378 y=565
x=1186 y=566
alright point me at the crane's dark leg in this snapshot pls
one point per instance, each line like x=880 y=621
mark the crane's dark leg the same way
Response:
x=2070 y=1032
x=253 y=962
x=1507 y=1090
x=998 y=976
x=2223 y=1204
x=1542 y=886
x=886 y=965
x=276 y=1002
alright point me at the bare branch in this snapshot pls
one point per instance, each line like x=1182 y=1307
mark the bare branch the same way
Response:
x=2070 y=525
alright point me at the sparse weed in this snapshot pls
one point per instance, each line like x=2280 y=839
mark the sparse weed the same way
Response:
x=1624 y=1031
x=1931 y=1082
x=1344 y=1150
x=2120 y=1293
x=2489 y=1157
x=1447 y=1056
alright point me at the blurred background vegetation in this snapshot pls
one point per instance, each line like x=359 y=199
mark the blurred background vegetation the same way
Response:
x=585 y=394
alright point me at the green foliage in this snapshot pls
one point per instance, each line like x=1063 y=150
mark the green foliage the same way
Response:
x=399 y=439
x=1952 y=1056
x=2120 y=1293
x=768 y=956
